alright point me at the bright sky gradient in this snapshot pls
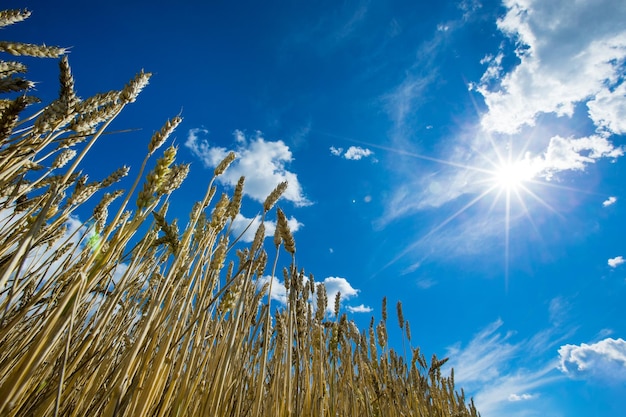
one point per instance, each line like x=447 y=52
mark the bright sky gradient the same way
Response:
x=464 y=157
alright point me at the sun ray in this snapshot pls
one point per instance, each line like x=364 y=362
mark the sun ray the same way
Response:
x=408 y=153
x=439 y=227
x=507 y=230
x=522 y=203
x=509 y=178
x=541 y=201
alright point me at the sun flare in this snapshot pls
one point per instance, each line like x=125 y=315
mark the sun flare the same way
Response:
x=510 y=176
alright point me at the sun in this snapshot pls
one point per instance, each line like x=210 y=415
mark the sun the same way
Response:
x=511 y=175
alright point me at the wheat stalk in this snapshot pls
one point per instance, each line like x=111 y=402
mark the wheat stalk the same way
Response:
x=132 y=314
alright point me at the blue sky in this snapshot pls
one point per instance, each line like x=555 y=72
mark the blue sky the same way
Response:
x=464 y=157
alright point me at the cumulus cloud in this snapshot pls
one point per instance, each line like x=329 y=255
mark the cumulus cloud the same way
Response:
x=333 y=286
x=353 y=153
x=338 y=284
x=615 y=262
x=263 y=163
x=252 y=224
x=609 y=201
x=561 y=64
x=279 y=292
x=604 y=360
x=608 y=109
x=209 y=155
x=565 y=154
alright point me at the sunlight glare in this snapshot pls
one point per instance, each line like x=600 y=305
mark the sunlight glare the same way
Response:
x=511 y=175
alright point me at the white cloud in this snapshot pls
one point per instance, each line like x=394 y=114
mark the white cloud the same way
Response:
x=336 y=151
x=333 y=286
x=615 y=262
x=361 y=308
x=522 y=397
x=573 y=154
x=575 y=58
x=279 y=292
x=241 y=222
x=263 y=163
x=609 y=201
x=605 y=359
x=608 y=109
x=337 y=284
x=353 y=153
x=209 y=155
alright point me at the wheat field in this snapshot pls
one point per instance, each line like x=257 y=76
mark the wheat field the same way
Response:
x=132 y=313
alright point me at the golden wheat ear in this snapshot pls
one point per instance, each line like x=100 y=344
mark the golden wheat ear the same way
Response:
x=126 y=315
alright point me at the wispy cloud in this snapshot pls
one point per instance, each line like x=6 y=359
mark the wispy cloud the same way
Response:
x=501 y=373
x=609 y=201
x=354 y=153
x=604 y=360
x=353 y=21
x=333 y=29
x=405 y=98
x=558 y=309
x=472 y=170
x=615 y=262
x=426 y=283
x=263 y=163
